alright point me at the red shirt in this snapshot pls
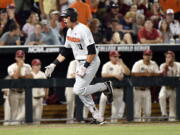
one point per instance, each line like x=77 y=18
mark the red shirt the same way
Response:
x=143 y=33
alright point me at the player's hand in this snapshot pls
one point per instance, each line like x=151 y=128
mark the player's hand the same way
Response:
x=119 y=76
x=81 y=71
x=49 y=69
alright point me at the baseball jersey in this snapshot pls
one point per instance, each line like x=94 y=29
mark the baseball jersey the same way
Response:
x=113 y=69
x=71 y=69
x=38 y=92
x=139 y=66
x=172 y=71
x=26 y=69
x=79 y=38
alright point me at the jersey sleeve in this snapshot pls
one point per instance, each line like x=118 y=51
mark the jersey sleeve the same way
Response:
x=67 y=43
x=156 y=68
x=10 y=71
x=104 y=69
x=88 y=37
x=135 y=68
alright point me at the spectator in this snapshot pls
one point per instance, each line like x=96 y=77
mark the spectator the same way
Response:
x=39 y=94
x=3 y=20
x=123 y=8
x=12 y=37
x=93 y=4
x=51 y=37
x=139 y=22
x=18 y=70
x=126 y=27
x=115 y=68
x=29 y=27
x=133 y=8
x=11 y=17
x=116 y=38
x=155 y=14
x=84 y=11
x=95 y=29
x=36 y=38
x=113 y=14
x=5 y=3
x=173 y=24
x=142 y=95
x=47 y=5
x=23 y=10
x=141 y=5
x=169 y=68
x=148 y=34
x=55 y=25
x=165 y=31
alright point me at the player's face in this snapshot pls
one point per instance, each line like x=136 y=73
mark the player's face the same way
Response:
x=68 y=22
x=114 y=59
x=18 y=58
x=169 y=58
x=147 y=58
x=36 y=67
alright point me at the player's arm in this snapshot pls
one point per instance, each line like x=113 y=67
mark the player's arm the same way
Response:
x=91 y=54
x=61 y=57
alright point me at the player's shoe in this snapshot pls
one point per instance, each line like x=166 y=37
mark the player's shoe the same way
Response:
x=109 y=91
x=94 y=121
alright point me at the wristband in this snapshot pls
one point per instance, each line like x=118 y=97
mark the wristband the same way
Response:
x=86 y=64
x=56 y=62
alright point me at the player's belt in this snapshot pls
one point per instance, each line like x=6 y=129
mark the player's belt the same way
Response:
x=82 y=60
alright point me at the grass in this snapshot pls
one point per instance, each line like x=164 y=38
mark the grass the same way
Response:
x=79 y=129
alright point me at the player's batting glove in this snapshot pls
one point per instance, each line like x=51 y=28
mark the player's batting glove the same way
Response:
x=81 y=71
x=49 y=69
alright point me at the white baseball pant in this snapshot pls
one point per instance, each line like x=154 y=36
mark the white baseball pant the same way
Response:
x=83 y=88
x=142 y=103
x=70 y=100
x=37 y=109
x=7 y=111
x=17 y=103
x=163 y=95
x=117 y=105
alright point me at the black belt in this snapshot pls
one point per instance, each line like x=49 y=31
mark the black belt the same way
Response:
x=81 y=60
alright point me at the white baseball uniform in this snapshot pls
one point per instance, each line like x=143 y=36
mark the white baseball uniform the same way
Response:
x=142 y=95
x=16 y=96
x=37 y=98
x=70 y=97
x=79 y=38
x=117 y=104
x=169 y=92
x=7 y=111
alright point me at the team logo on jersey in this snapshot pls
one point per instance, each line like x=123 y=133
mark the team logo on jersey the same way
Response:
x=111 y=69
x=73 y=39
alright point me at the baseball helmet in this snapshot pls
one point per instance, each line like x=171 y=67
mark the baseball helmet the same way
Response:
x=70 y=12
x=36 y=62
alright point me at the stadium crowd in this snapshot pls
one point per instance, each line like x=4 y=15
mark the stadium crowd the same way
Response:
x=38 y=22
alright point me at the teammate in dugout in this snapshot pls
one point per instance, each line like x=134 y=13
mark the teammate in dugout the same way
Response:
x=142 y=95
x=115 y=68
x=169 y=68
x=38 y=94
x=18 y=70
x=79 y=38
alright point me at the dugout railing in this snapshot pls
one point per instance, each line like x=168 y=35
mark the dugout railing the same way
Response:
x=128 y=83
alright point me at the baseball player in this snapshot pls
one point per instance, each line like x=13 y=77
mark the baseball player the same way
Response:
x=70 y=97
x=38 y=93
x=169 y=68
x=18 y=70
x=142 y=96
x=79 y=38
x=115 y=68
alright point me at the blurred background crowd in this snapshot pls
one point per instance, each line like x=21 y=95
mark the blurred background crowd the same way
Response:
x=38 y=22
